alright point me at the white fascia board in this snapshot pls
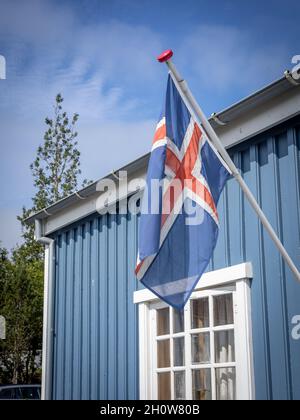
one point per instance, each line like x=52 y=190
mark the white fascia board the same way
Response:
x=208 y=280
x=260 y=119
x=90 y=205
x=257 y=120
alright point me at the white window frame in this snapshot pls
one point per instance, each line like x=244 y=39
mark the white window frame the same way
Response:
x=235 y=278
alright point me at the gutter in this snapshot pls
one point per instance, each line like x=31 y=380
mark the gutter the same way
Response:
x=87 y=191
x=48 y=318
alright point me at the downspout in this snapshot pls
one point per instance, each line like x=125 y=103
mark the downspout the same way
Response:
x=48 y=329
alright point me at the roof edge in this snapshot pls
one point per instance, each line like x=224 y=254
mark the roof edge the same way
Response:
x=223 y=117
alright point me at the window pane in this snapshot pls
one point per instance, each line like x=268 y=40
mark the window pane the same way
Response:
x=201 y=383
x=224 y=346
x=200 y=313
x=178 y=349
x=178 y=321
x=225 y=384
x=200 y=348
x=179 y=385
x=223 y=310
x=164 y=386
x=163 y=353
x=163 y=321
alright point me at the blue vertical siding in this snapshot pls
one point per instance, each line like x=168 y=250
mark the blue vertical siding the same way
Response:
x=96 y=333
x=95 y=341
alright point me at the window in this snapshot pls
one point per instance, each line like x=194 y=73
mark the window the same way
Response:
x=194 y=350
x=203 y=352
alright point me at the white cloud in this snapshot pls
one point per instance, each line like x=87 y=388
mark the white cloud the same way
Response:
x=98 y=69
x=224 y=58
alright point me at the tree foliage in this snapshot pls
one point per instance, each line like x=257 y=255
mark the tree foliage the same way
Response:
x=55 y=171
x=21 y=292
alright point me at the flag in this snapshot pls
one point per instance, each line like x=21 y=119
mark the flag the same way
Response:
x=179 y=221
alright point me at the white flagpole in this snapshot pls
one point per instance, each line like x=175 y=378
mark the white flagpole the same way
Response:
x=201 y=119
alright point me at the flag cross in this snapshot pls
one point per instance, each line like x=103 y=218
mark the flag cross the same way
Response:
x=180 y=166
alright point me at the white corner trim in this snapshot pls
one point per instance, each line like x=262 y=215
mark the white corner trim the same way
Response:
x=208 y=280
x=45 y=323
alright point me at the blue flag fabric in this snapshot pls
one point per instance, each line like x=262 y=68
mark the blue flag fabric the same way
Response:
x=179 y=223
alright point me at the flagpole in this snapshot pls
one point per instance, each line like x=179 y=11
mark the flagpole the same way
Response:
x=201 y=119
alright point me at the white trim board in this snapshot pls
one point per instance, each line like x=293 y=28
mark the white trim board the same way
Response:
x=262 y=118
x=89 y=205
x=208 y=280
x=45 y=323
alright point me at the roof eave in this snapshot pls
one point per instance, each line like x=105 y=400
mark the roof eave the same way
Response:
x=225 y=116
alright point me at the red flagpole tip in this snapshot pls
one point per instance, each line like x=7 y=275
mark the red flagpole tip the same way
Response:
x=165 y=56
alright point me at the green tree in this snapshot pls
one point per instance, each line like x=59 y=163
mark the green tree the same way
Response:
x=56 y=167
x=21 y=304
x=55 y=172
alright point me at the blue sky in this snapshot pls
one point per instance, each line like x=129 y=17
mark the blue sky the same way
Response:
x=100 y=54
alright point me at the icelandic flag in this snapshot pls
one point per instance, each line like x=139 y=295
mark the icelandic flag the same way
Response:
x=179 y=222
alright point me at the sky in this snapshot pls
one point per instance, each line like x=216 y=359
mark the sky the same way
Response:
x=101 y=56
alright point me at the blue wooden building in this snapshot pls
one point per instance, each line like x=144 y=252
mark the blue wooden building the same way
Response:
x=238 y=338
